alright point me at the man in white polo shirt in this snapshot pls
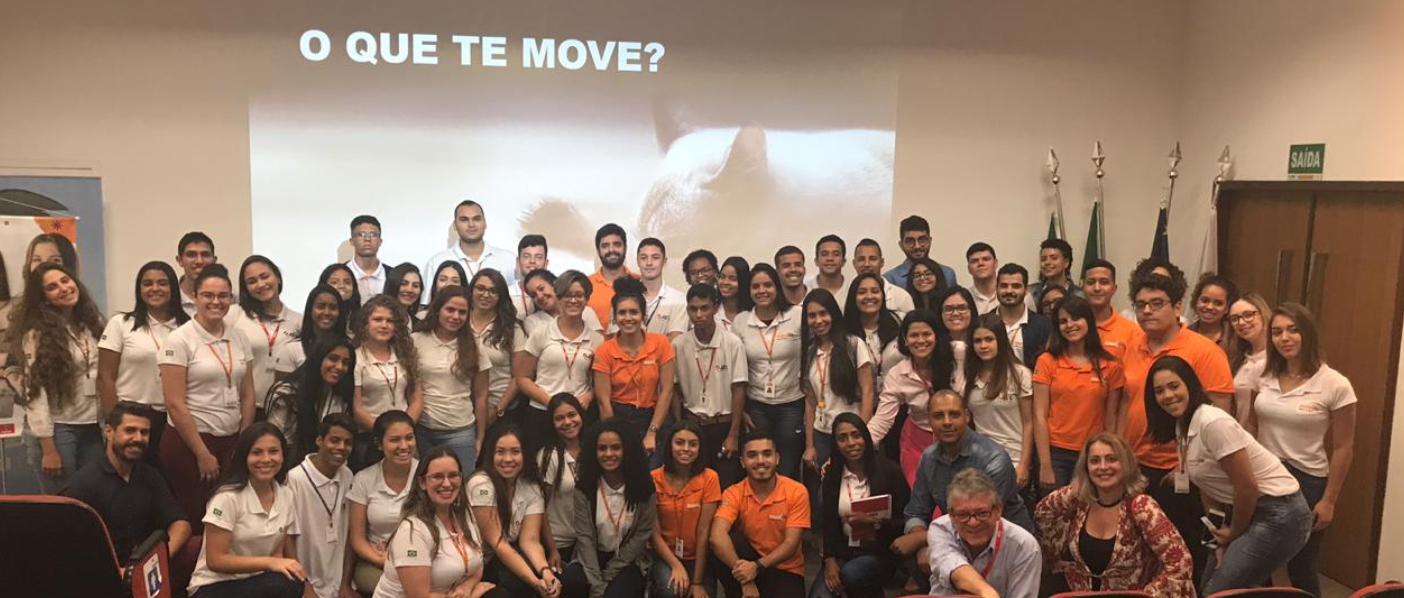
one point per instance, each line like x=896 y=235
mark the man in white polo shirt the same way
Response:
x=366 y=264
x=665 y=310
x=531 y=256
x=320 y=485
x=711 y=379
x=830 y=254
x=471 y=251
x=981 y=262
x=789 y=264
x=867 y=257
x=195 y=251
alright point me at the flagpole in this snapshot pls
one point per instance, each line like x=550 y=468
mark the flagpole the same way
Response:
x=1052 y=165
x=1173 y=174
x=1097 y=159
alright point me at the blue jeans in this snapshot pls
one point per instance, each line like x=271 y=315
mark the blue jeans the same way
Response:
x=1278 y=530
x=638 y=420
x=461 y=441
x=78 y=445
x=1302 y=568
x=785 y=423
x=862 y=577
x=1064 y=462
x=662 y=573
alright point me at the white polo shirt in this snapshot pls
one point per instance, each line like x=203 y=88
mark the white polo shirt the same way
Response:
x=382 y=504
x=707 y=371
x=830 y=405
x=522 y=301
x=138 y=377
x=563 y=364
x=413 y=546
x=256 y=532
x=840 y=296
x=885 y=356
x=319 y=505
x=265 y=338
x=526 y=500
x=187 y=303
x=1245 y=383
x=540 y=319
x=985 y=303
x=772 y=356
x=899 y=301
x=83 y=408
x=369 y=284
x=613 y=517
x=448 y=397
x=1293 y=425
x=1016 y=335
x=214 y=368
x=666 y=313
x=382 y=383
x=287 y=357
x=1213 y=435
x=560 y=510
x=998 y=417
x=500 y=360
x=497 y=258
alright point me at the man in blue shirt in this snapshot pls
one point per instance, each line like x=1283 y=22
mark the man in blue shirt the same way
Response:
x=957 y=448
x=916 y=243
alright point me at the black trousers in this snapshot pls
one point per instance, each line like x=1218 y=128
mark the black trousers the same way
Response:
x=1184 y=510
x=628 y=583
x=772 y=582
x=728 y=468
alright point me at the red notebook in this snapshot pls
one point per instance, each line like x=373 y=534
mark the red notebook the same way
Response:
x=877 y=505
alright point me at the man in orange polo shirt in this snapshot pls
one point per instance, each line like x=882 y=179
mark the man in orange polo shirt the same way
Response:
x=1158 y=300
x=610 y=244
x=1099 y=286
x=757 y=528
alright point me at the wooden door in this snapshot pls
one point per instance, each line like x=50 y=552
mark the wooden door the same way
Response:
x=1353 y=284
x=1263 y=240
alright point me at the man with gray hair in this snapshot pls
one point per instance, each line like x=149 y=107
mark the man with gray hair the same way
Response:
x=975 y=550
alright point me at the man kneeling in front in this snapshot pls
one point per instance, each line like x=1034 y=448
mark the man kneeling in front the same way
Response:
x=974 y=550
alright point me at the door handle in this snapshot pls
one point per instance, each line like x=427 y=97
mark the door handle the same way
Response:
x=1284 y=274
x=1316 y=281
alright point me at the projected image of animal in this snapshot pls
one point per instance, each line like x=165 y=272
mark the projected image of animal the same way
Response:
x=749 y=189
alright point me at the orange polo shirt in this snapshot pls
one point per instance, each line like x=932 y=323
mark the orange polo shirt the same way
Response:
x=1117 y=333
x=764 y=523
x=634 y=380
x=1208 y=362
x=1077 y=399
x=602 y=293
x=678 y=512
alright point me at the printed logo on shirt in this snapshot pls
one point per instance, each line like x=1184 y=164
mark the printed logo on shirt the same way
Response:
x=412 y=553
x=218 y=513
x=485 y=492
x=721 y=368
x=777 y=517
x=170 y=352
x=1311 y=408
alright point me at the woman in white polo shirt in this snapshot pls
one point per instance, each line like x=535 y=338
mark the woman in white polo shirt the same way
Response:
x=207 y=381
x=500 y=335
x=1249 y=319
x=56 y=329
x=865 y=311
x=541 y=285
x=127 y=369
x=386 y=375
x=999 y=393
x=838 y=375
x=455 y=377
x=377 y=494
x=733 y=284
x=771 y=334
x=558 y=357
x=1301 y=399
x=339 y=276
x=265 y=320
x=323 y=317
x=406 y=286
x=510 y=511
x=250 y=540
x=557 y=462
x=1269 y=521
x=436 y=550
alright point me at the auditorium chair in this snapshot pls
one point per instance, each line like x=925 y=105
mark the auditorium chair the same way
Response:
x=1389 y=589
x=57 y=546
x=1261 y=593
x=1103 y=594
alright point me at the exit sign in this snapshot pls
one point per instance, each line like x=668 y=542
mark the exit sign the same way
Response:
x=1305 y=162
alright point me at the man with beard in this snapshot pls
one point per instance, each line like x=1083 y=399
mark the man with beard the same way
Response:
x=915 y=240
x=1028 y=330
x=319 y=487
x=756 y=531
x=610 y=244
x=471 y=250
x=131 y=496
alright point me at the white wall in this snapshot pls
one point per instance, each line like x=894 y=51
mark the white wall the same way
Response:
x=1264 y=75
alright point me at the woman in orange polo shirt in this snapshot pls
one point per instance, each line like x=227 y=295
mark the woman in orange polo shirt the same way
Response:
x=1077 y=390
x=633 y=370
x=688 y=494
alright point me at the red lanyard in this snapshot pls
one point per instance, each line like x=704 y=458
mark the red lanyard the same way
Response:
x=460 y=544
x=999 y=542
x=705 y=374
x=227 y=367
x=617 y=522
x=154 y=340
x=272 y=338
x=570 y=360
x=85 y=350
x=823 y=363
x=526 y=299
x=770 y=346
x=467 y=265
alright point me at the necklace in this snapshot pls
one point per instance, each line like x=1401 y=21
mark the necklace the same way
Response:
x=1112 y=503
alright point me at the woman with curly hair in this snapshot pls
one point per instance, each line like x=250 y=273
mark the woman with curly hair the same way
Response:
x=56 y=330
x=386 y=374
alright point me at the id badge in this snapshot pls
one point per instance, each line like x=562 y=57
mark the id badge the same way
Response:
x=770 y=389
x=231 y=398
x=678 y=547
x=88 y=387
x=1182 y=482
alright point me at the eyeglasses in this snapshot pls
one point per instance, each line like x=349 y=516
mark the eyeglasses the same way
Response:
x=969 y=516
x=439 y=478
x=367 y=236
x=923 y=275
x=706 y=271
x=955 y=309
x=573 y=297
x=1243 y=318
x=222 y=297
x=1154 y=305
x=915 y=241
x=485 y=290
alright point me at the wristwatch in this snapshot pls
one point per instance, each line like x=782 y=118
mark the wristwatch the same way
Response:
x=652 y=428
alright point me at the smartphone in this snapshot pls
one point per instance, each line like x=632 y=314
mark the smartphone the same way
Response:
x=1212 y=519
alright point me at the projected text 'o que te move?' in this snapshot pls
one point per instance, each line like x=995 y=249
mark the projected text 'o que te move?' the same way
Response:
x=365 y=47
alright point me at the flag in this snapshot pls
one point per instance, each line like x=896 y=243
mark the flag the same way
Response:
x=1053 y=226
x=1209 y=253
x=1094 y=237
x=1160 y=245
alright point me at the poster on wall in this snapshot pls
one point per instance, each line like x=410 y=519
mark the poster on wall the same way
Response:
x=25 y=240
